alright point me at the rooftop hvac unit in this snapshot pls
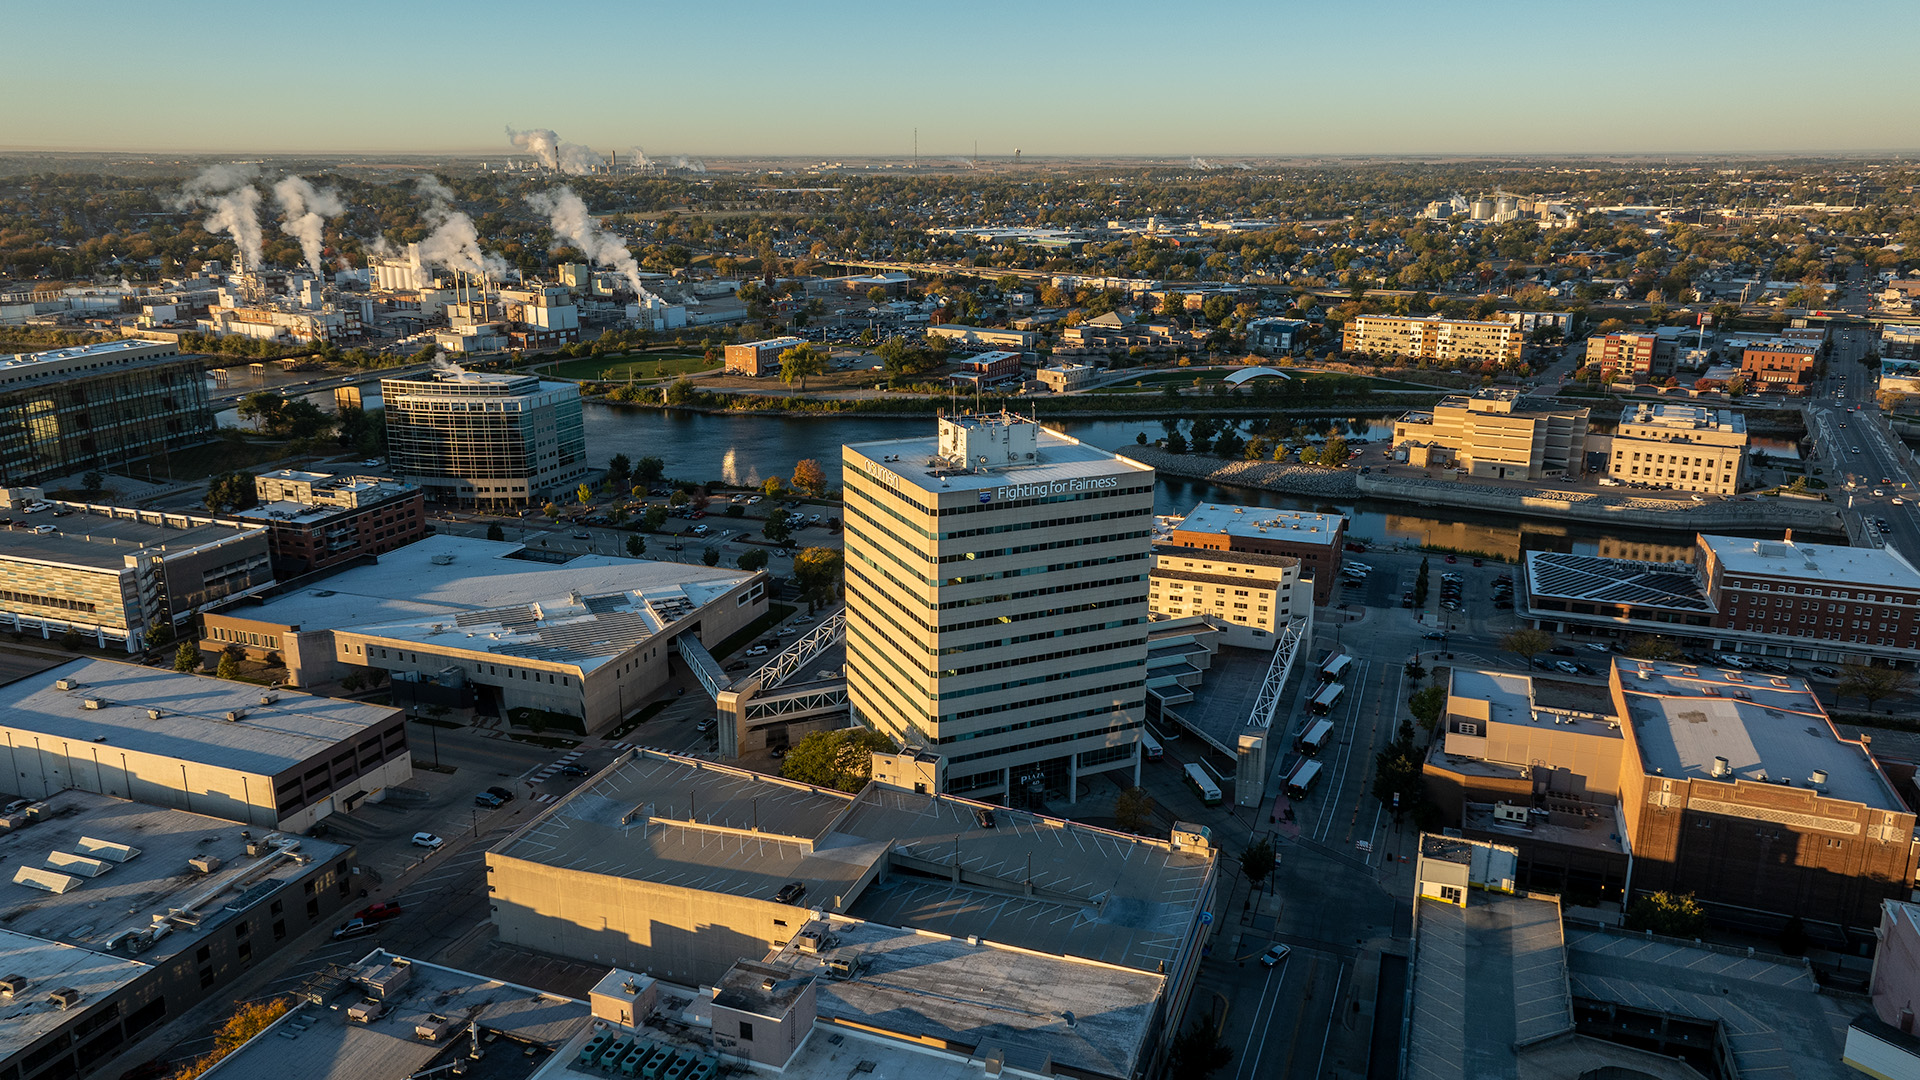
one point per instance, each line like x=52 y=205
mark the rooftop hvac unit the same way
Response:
x=64 y=998
x=1721 y=768
x=154 y=714
x=11 y=985
x=808 y=941
x=234 y=716
x=1818 y=780
x=206 y=864
x=93 y=703
x=66 y=684
x=1505 y=812
x=266 y=699
x=842 y=968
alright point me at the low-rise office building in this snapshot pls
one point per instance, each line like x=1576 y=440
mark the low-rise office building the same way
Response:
x=485 y=439
x=114 y=573
x=1271 y=336
x=317 y=520
x=497 y=627
x=1783 y=367
x=268 y=758
x=127 y=916
x=1735 y=787
x=65 y=411
x=759 y=359
x=987 y=367
x=1435 y=338
x=1623 y=357
x=1782 y=598
x=889 y=893
x=985 y=337
x=1496 y=434
x=1685 y=447
x=1316 y=541
x=1063 y=378
x=1250 y=597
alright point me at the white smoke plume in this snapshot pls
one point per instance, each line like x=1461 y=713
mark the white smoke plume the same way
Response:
x=570 y=221
x=454 y=242
x=694 y=165
x=570 y=158
x=1202 y=164
x=640 y=159
x=307 y=211
x=228 y=191
x=1243 y=166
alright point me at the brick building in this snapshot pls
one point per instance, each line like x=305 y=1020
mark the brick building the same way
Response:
x=1782 y=367
x=1623 y=357
x=1314 y=539
x=1434 y=338
x=757 y=359
x=316 y=520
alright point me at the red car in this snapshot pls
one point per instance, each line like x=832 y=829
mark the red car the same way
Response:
x=379 y=912
x=1451 y=559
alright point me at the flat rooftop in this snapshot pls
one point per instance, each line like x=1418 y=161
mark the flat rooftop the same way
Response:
x=96 y=542
x=1291 y=526
x=79 y=361
x=98 y=912
x=1511 y=700
x=461 y=593
x=1768 y=727
x=1485 y=977
x=192 y=725
x=1593 y=579
x=1683 y=418
x=1864 y=567
x=50 y=966
x=912 y=462
x=319 y=1042
x=1095 y=894
x=1083 y=1015
x=1559 y=828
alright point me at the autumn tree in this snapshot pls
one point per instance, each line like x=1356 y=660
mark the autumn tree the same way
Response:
x=809 y=477
x=840 y=759
x=1133 y=810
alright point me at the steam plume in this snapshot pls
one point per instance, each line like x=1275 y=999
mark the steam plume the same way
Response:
x=228 y=191
x=454 y=242
x=1202 y=164
x=566 y=157
x=307 y=212
x=570 y=220
x=681 y=161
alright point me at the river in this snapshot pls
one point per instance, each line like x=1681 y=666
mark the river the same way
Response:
x=748 y=449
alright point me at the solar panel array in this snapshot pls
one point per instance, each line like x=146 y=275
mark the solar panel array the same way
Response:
x=1615 y=581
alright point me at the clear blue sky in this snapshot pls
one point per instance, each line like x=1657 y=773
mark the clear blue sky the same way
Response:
x=852 y=77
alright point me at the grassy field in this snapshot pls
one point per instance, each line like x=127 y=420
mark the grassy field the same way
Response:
x=618 y=368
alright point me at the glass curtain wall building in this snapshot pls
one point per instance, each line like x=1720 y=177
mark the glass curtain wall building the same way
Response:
x=485 y=439
x=997 y=603
x=66 y=411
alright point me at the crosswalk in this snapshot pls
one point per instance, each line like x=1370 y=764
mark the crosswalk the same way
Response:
x=555 y=766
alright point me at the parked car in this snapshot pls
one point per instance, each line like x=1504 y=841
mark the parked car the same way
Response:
x=1824 y=671
x=1598 y=646
x=984 y=818
x=486 y=800
x=355 y=928
x=379 y=912
x=758 y=650
x=1561 y=650
x=505 y=795
x=790 y=893
x=1567 y=666
x=704 y=725
x=1275 y=956
x=427 y=840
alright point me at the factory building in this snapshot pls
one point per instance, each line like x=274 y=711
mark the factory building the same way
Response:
x=136 y=914
x=115 y=573
x=65 y=411
x=997 y=602
x=484 y=439
x=268 y=758
x=497 y=627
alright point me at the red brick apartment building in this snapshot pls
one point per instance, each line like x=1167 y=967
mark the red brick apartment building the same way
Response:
x=1783 y=368
x=317 y=520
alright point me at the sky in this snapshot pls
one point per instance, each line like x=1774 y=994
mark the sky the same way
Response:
x=843 y=78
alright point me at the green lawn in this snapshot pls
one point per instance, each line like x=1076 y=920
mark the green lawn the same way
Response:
x=618 y=368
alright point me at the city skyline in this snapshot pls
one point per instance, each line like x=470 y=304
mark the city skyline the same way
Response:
x=852 y=80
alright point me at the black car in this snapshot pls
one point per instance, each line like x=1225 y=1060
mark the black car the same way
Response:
x=984 y=817
x=571 y=770
x=790 y=893
x=505 y=795
x=1561 y=650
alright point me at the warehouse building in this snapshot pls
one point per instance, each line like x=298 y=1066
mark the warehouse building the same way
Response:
x=114 y=573
x=125 y=916
x=268 y=758
x=65 y=411
x=866 y=911
x=499 y=627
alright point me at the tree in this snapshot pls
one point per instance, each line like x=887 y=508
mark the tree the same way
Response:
x=1528 y=642
x=1671 y=914
x=552 y=510
x=1427 y=706
x=773 y=487
x=495 y=532
x=1197 y=1052
x=229 y=666
x=636 y=545
x=1140 y=439
x=1651 y=647
x=1872 y=683
x=93 y=481
x=817 y=571
x=753 y=559
x=649 y=469
x=877 y=295
x=159 y=634
x=710 y=556
x=1176 y=443
x=1396 y=771
x=187 y=657
x=679 y=498
x=654 y=517
x=1420 y=585
x=1173 y=304
x=585 y=494
x=619 y=470
x=1257 y=861
x=808 y=476
x=840 y=759
x=231 y=491
x=777 y=528
x=1334 y=454
x=1133 y=810
x=799 y=362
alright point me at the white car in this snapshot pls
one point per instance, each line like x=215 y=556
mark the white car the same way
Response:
x=1275 y=956
x=753 y=501
x=1360 y=566
x=44 y=529
x=758 y=650
x=427 y=840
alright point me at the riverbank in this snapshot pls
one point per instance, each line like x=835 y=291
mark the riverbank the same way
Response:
x=1540 y=503
x=922 y=408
